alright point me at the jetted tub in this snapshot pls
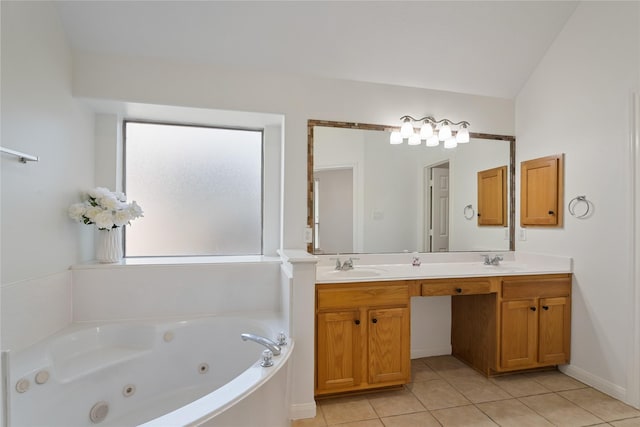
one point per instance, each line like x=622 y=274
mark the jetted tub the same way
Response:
x=165 y=373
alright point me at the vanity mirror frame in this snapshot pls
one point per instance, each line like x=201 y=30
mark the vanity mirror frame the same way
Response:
x=311 y=123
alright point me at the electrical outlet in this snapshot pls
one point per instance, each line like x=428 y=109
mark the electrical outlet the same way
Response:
x=522 y=234
x=308 y=235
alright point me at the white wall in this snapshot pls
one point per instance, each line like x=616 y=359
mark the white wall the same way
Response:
x=577 y=102
x=40 y=117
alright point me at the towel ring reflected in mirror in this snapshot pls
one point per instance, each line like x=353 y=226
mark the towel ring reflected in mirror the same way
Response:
x=468 y=212
x=577 y=202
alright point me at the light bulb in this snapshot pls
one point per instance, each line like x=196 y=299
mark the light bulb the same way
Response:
x=414 y=139
x=407 y=129
x=463 y=135
x=395 y=138
x=432 y=141
x=445 y=132
x=426 y=131
x=450 y=142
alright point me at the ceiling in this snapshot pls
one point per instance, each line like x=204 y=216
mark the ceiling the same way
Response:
x=476 y=47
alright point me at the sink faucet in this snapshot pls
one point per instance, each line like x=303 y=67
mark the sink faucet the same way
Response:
x=271 y=345
x=346 y=265
x=492 y=260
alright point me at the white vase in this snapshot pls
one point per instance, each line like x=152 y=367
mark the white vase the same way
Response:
x=109 y=245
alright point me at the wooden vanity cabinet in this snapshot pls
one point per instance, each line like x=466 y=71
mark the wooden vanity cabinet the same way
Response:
x=524 y=323
x=535 y=324
x=499 y=324
x=362 y=336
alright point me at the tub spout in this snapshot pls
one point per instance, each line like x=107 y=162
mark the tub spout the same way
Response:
x=271 y=345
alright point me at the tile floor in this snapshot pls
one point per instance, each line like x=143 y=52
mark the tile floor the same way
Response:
x=446 y=392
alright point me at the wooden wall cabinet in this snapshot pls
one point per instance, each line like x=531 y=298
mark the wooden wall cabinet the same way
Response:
x=541 y=191
x=362 y=336
x=492 y=197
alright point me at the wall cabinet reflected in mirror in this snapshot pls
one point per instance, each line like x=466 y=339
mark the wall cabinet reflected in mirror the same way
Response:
x=492 y=197
x=368 y=196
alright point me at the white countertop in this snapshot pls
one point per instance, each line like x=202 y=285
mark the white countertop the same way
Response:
x=450 y=265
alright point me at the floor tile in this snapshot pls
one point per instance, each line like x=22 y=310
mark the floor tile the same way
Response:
x=514 y=413
x=462 y=416
x=478 y=389
x=519 y=385
x=395 y=403
x=420 y=371
x=417 y=419
x=348 y=409
x=449 y=366
x=437 y=394
x=599 y=404
x=559 y=410
x=556 y=381
x=366 y=423
x=630 y=422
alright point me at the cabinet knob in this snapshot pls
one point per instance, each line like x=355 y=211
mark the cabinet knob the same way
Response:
x=545 y=307
x=357 y=321
x=532 y=308
x=459 y=290
x=374 y=320
x=551 y=212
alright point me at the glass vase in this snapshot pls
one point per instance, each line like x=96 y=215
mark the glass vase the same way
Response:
x=109 y=245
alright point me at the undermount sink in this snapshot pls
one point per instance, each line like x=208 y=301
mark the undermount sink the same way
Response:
x=357 y=272
x=506 y=267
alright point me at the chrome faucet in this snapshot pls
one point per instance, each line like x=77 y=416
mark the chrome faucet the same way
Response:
x=344 y=266
x=492 y=260
x=271 y=345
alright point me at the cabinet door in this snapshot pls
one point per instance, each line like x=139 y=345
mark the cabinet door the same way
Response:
x=389 y=336
x=541 y=191
x=338 y=354
x=492 y=196
x=554 y=330
x=518 y=334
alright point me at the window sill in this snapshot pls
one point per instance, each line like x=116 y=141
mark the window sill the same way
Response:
x=178 y=261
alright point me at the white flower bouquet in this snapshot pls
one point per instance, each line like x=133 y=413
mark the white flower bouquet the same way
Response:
x=106 y=209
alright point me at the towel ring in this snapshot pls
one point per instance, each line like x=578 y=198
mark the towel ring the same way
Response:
x=575 y=202
x=468 y=212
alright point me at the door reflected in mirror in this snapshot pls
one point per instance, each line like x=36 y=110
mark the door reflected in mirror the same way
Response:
x=368 y=196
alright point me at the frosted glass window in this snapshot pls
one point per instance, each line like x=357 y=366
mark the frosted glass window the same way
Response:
x=200 y=189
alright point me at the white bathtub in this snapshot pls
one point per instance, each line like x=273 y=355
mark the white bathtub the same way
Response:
x=163 y=373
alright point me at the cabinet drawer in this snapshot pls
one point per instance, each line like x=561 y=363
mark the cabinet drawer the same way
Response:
x=345 y=296
x=456 y=287
x=536 y=288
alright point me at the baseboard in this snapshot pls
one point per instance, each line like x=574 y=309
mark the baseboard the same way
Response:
x=417 y=353
x=594 y=381
x=302 y=410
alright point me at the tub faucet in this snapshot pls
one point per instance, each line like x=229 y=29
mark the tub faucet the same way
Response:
x=271 y=345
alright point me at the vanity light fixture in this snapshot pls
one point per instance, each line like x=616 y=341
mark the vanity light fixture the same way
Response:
x=432 y=131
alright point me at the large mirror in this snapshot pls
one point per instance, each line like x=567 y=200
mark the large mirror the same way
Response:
x=368 y=196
